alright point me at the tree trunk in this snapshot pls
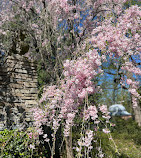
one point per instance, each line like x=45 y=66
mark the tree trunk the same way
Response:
x=137 y=110
x=137 y=113
x=68 y=141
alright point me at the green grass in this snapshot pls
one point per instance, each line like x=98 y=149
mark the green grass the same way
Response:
x=127 y=147
x=127 y=137
x=126 y=142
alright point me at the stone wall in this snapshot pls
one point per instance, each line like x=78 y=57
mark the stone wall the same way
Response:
x=18 y=91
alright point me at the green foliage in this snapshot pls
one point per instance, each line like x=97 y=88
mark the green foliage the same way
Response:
x=132 y=2
x=125 y=142
x=15 y=144
x=106 y=145
x=118 y=147
x=127 y=129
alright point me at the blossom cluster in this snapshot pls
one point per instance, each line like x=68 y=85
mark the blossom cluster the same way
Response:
x=85 y=141
x=62 y=102
x=121 y=40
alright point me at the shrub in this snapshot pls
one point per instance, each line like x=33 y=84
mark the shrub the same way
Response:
x=15 y=144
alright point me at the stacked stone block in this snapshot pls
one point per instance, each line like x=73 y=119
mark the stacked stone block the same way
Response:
x=3 y=92
x=19 y=91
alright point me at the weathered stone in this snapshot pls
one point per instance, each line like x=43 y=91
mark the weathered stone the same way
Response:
x=29 y=85
x=28 y=119
x=33 y=90
x=33 y=102
x=18 y=89
x=21 y=71
x=16 y=86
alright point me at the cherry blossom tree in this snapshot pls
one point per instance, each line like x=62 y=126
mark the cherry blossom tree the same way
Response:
x=74 y=38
